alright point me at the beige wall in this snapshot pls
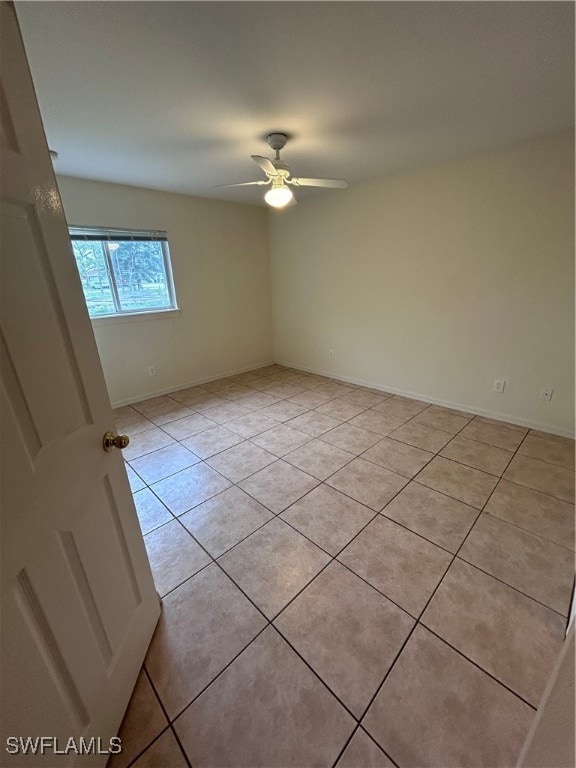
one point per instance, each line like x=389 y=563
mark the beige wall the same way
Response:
x=438 y=282
x=221 y=272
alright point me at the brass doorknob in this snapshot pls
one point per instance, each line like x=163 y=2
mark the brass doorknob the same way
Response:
x=110 y=441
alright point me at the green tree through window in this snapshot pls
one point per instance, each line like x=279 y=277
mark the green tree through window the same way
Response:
x=123 y=272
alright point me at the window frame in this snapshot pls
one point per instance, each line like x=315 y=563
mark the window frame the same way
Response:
x=105 y=236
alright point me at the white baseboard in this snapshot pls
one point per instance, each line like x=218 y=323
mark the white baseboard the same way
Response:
x=197 y=383
x=542 y=427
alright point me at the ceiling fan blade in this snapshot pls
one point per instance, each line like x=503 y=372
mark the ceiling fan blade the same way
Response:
x=266 y=164
x=334 y=183
x=245 y=184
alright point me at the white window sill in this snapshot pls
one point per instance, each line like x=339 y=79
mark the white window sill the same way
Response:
x=131 y=317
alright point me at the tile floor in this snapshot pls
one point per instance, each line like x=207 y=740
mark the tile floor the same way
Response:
x=349 y=578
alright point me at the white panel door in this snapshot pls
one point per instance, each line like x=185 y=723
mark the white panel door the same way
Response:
x=77 y=598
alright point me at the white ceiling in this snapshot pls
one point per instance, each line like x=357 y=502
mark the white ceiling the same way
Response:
x=177 y=95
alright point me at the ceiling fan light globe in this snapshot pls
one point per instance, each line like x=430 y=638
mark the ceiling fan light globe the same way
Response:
x=278 y=197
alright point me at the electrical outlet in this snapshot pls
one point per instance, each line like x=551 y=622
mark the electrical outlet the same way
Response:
x=499 y=385
x=546 y=394
x=152 y=370
x=331 y=354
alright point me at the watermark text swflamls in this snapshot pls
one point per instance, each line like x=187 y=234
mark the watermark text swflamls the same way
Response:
x=43 y=745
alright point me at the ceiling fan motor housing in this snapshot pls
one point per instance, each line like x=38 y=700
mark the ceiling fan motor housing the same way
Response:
x=277 y=141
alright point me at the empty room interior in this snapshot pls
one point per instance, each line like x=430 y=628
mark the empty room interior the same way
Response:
x=321 y=256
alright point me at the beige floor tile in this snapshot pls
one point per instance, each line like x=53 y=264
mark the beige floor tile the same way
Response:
x=363 y=752
x=491 y=434
x=314 y=423
x=440 y=419
x=334 y=390
x=136 y=482
x=146 y=442
x=168 y=413
x=350 y=642
x=368 y=483
x=223 y=413
x=283 y=411
x=174 y=556
x=306 y=382
x=190 y=487
x=261 y=384
x=341 y=409
x=281 y=439
x=278 y=485
x=188 y=393
x=434 y=515
x=550 y=436
x=511 y=636
x=401 y=407
x=221 y=522
x=351 y=438
x=311 y=399
x=505 y=424
x=267 y=710
x=205 y=402
x=437 y=709
x=404 y=459
x=165 y=751
x=403 y=566
x=235 y=392
x=188 y=426
x=285 y=390
x=285 y=376
x=211 y=441
x=534 y=566
x=413 y=401
x=130 y=421
x=204 y=624
x=539 y=513
x=154 y=405
x=142 y=723
x=540 y=476
x=273 y=564
x=420 y=436
x=164 y=462
x=487 y=458
x=551 y=451
x=216 y=385
x=376 y=421
x=240 y=461
x=247 y=376
x=452 y=412
x=364 y=397
x=459 y=481
x=319 y=459
x=328 y=518
x=258 y=400
x=151 y=512
x=268 y=370
x=251 y=425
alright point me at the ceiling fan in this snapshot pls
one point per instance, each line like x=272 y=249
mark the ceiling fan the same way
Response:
x=279 y=178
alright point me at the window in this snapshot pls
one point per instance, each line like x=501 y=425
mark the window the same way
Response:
x=122 y=271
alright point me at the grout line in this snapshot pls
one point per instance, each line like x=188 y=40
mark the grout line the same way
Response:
x=421 y=615
x=269 y=622
x=511 y=586
x=477 y=665
x=188 y=763
x=147 y=747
